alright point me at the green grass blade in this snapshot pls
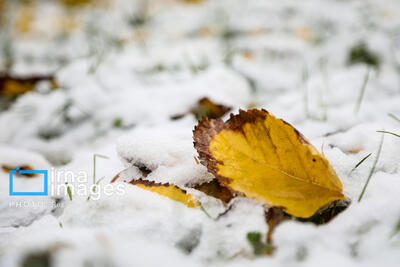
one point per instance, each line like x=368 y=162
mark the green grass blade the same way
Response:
x=373 y=169
x=94 y=165
x=360 y=162
x=69 y=192
x=98 y=181
x=94 y=172
x=394 y=117
x=398 y=135
x=362 y=92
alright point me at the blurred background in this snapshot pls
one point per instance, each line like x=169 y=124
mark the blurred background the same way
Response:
x=93 y=60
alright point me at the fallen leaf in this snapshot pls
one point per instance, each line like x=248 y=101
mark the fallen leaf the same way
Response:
x=142 y=168
x=25 y=17
x=8 y=168
x=193 y=1
x=206 y=108
x=273 y=217
x=207 y=31
x=265 y=158
x=304 y=33
x=212 y=188
x=79 y=4
x=216 y=190
x=12 y=86
x=327 y=212
x=354 y=151
x=75 y=2
x=168 y=190
x=249 y=55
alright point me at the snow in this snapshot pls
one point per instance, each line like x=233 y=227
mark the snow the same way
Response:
x=288 y=57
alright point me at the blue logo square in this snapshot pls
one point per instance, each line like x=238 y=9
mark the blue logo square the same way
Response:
x=17 y=170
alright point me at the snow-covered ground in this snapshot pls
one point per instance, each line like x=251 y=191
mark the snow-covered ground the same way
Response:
x=126 y=67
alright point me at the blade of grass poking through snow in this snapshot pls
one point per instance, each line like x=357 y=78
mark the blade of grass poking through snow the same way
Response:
x=397 y=229
x=373 y=168
x=385 y=132
x=259 y=247
x=304 y=78
x=394 y=117
x=95 y=183
x=94 y=165
x=206 y=213
x=98 y=181
x=360 y=162
x=362 y=92
x=325 y=89
x=69 y=191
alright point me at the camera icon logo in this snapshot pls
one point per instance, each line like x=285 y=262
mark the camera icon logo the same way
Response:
x=35 y=193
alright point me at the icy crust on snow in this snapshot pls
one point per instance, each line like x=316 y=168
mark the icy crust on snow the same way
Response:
x=289 y=58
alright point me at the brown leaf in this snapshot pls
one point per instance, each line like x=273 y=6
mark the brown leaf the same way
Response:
x=274 y=216
x=206 y=108
x=8 y=168
x=216 y=190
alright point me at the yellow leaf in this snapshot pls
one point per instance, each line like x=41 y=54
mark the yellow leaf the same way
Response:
x=3 y=10
x=83 y=3
x=25 y=18
x=168 y=190
x=12 y=86
x=212 y=188
x=193 y=1
x=304 y=33
x=265 y=158
x=76 y=2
